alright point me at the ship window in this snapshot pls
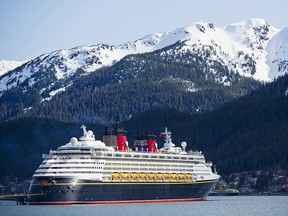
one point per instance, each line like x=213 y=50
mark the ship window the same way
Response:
x=153 y=156
x=162 y=157
x=118 y=155
x=127 y=155
x=136 y=156
x=176 y=158
x=144 y=156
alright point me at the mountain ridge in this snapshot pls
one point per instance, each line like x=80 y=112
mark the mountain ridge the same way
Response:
x=139 y=82
x=194 y=61
x=231 y=43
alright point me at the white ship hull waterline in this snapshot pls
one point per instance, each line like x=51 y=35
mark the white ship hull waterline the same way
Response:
x=89 y=171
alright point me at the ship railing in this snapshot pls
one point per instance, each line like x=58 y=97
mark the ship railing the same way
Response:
x=195 y=153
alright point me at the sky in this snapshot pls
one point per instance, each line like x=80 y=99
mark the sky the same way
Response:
x=29 y=28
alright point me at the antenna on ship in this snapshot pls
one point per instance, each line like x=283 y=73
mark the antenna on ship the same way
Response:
x=215 y=171
x=167 y=135
x=168 y=140
x=87 y=135
x=83 y=127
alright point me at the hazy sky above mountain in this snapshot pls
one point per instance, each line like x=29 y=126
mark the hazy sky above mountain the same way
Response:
x=30 y=28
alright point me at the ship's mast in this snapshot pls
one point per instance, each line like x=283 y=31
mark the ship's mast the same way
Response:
x=87 y=135
x=83 y=127
x=168 y=140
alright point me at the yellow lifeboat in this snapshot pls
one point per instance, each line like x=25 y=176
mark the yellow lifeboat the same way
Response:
x=166 y=176
x=188 y=176
x=159 y=176
x=115 y=175
x=142 y=175
x=181 y=176
x=133 y=175
x=150 y=175
x=173 y=176
x=124 y=175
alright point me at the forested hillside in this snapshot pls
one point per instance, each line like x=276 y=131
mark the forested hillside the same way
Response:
x=245 y=134
x=239 y=137
x=23 y=141
x=163 y=79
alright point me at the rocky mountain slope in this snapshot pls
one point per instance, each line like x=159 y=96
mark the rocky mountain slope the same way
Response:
x=204 y=55
x=240 y=46
x=164 y=78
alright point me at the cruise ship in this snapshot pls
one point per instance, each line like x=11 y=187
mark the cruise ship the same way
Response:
x=90 y=171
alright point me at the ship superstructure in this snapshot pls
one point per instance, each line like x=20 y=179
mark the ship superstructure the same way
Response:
x=91 y=171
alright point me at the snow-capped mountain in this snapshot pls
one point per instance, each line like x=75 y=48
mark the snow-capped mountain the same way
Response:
x=252 y=48
x=240 y=46
x=277 y=54
x=6 y=66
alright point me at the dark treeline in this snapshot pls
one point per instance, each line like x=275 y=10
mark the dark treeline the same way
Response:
x=241 y=136
x=23 y=141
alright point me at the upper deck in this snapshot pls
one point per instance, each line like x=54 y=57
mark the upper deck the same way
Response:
x=93 y=159
x=88 y=146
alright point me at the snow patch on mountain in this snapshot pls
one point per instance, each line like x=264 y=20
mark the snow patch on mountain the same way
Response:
x=254 y=34
x=6 y=66
x=240 y=46
x=277 y=54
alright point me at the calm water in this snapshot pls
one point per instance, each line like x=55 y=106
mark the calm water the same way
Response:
x=238 y=205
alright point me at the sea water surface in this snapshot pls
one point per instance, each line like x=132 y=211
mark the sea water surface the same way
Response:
x=217 y=205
